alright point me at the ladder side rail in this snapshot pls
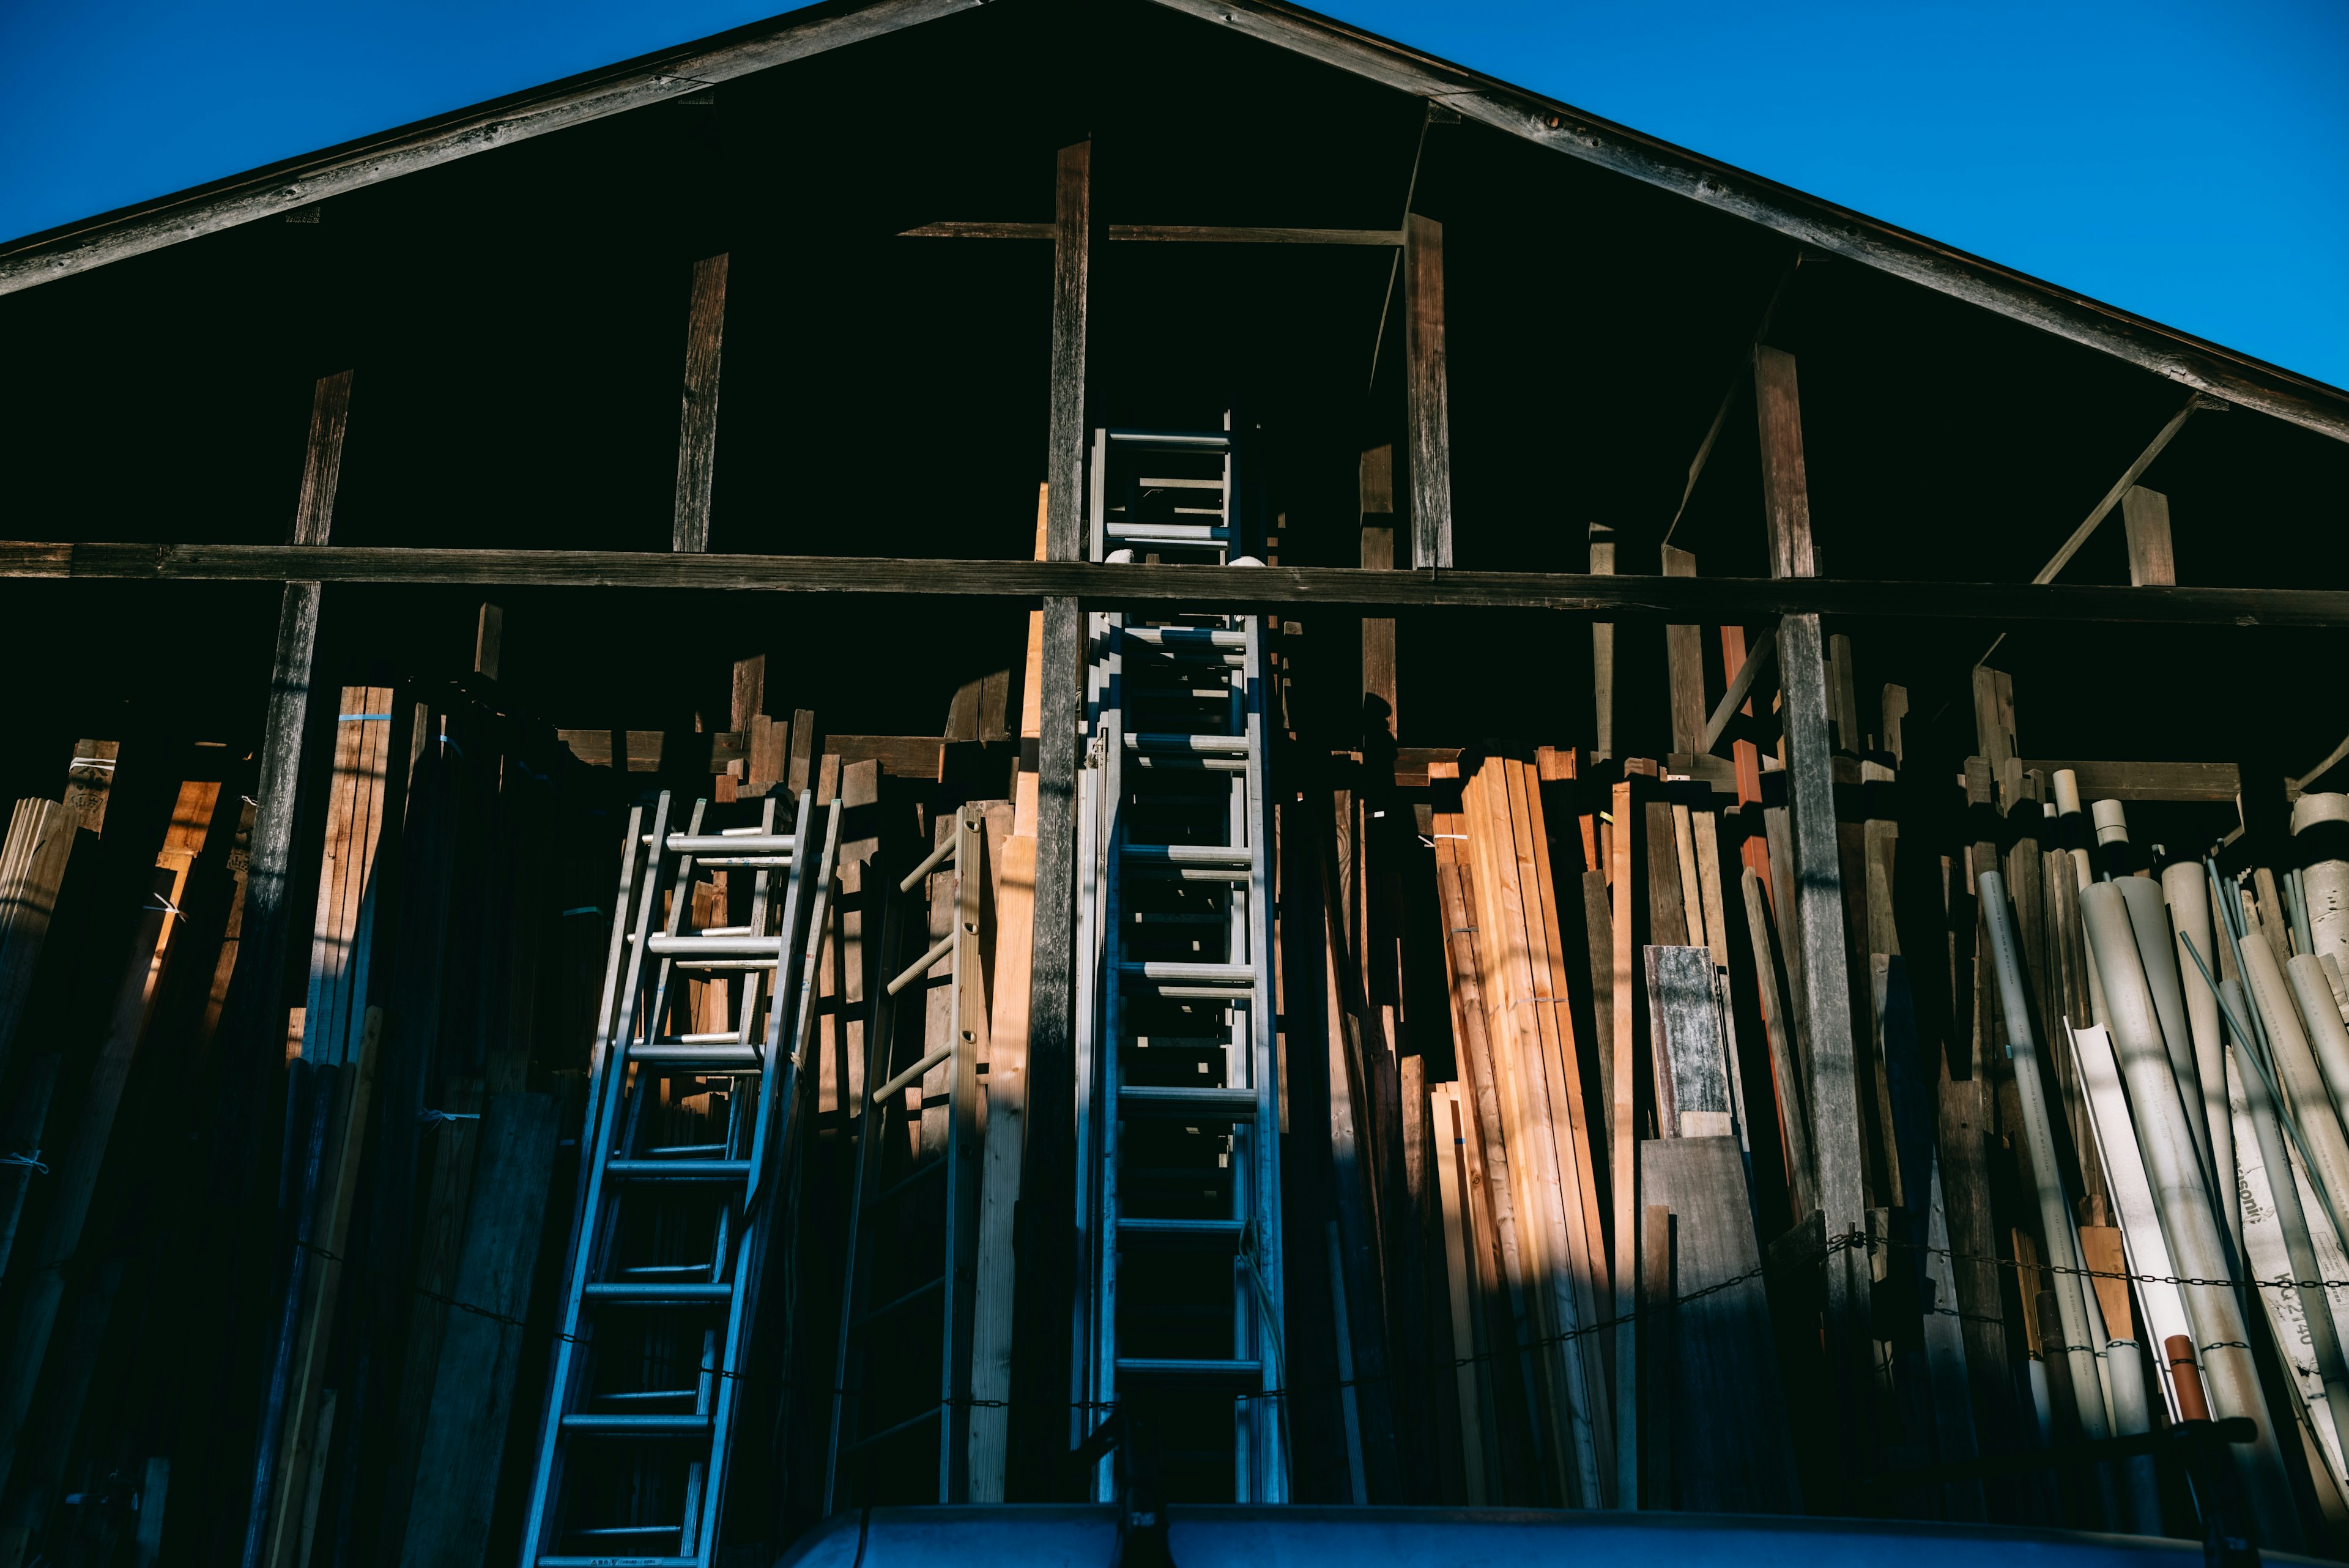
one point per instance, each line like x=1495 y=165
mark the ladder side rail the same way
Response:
x=777 y=1110
x=966 y=1141
x=1107 y=1067
x=1097 y=497
x=760 y=886
x=1267 y=1291
x=632 y=856
x=1087 y=1020
x=871 y=1124
x=595 y=1144
x=737 y=1117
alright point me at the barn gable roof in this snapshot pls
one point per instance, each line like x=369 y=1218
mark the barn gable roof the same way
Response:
x=1821 y=225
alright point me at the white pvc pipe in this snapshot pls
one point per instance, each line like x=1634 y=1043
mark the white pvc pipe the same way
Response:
x=2189 y=894
x=2314 y=991
x=2296 y=1071
x=2324 y=885
x=2156 y=950
x=2188 y=1221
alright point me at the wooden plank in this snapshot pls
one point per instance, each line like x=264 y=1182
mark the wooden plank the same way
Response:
x=1602 y=649
x=1788 y=1079
x=1692 y=1057
x=1378 y=555
x=321 y=1292
x=1731 y=1449
x=1006 y=1082
x=1623 y=1179
x=1426 y=396
x=1452 y=1186
x=1164 y=234
x=697 y=421
x=1684 y=667
x=1235 y=589
x=1667 y=912
x=322 y=464
x=40 y=841
x=481 y=1354
x=1786 y=488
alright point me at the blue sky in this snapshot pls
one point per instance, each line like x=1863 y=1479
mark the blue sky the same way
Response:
x=2188 y=161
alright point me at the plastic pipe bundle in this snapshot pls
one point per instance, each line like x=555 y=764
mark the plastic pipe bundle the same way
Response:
x=2188 y=1221
x=2054 y=1212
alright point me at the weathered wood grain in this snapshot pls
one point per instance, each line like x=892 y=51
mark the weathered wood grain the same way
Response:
x=1236 y=588
x=696 y=423
x=1427 y=400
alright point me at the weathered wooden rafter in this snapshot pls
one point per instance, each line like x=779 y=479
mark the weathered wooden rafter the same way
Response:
x=1227 y=587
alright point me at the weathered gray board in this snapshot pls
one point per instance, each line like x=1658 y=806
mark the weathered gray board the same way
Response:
x=1732 y=1451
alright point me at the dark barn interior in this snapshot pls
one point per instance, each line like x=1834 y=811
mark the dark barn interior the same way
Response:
x=371 y=578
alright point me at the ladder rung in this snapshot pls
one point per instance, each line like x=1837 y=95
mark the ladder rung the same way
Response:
x=916 y=1294
x=752 y=862
x=622 y=1560
x=1238 y=1371
x=657 y=1292
x=664 y=1271
x=1176 y=741
x=679 y=1170
x=1185 y=637
x=706 y=946
x=1209 y=1103
x=700 y=844
x=677 y=1150
x=921 y=965
x=1172 y=440
x=1170 y=533
x=1195 y=974
x=1188 y=763
x=913 y=1074
x=1236 y=855
x=699 y=1057
x=620 y=1424
x=1218 y=1233
x=647 y=1396
x=1180 y=484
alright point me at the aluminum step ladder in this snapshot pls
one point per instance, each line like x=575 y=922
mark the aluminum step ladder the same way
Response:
x=660 y=1291
x=1178 y=1214
x=901 y=1411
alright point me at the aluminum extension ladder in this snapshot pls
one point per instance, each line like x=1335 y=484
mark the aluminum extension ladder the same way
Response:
x=660 y=1291
x=901 y=1411
x=1178 y=1216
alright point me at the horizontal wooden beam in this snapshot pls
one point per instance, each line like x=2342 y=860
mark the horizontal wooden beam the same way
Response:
x=1700 y=600
x=1188 y=233
x=2149 y=781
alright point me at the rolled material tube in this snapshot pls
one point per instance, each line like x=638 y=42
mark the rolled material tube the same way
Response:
x=2324 y=1340
x=2322 y=1014
x=2137 y=1500
x=2326 y=882
x=2054 y=1212
x=2308 y=1102
x=2157 y=950
x=2189 y=918
x=2188 y=1222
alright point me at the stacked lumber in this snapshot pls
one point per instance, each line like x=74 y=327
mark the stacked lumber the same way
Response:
x=1541 y=1214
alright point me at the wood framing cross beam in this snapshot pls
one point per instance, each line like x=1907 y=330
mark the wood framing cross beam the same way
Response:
x=1228 y=588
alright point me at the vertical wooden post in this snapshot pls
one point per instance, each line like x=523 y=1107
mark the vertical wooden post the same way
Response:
x=1426 y=401
x=697 y=424
x=1602 y=649
x=1785 y=489
x=1047 y=1273
x=2144 y=514
x=1817 y=923
x=1684 y=667
x=1378 y=555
